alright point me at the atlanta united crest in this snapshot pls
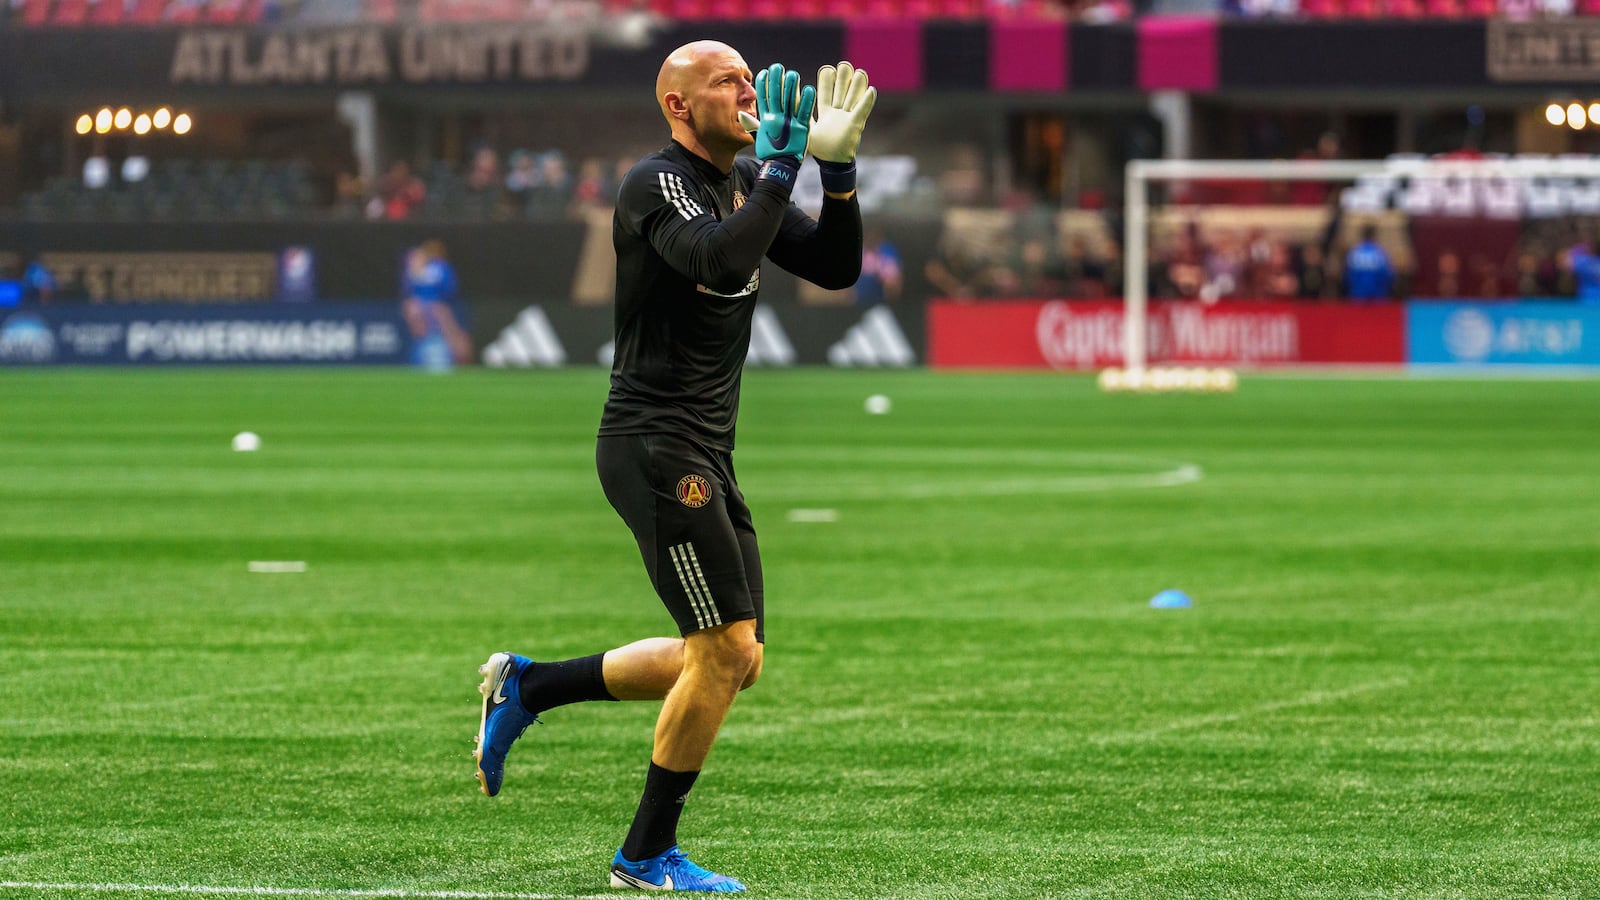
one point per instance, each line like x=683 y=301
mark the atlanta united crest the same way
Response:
x=694 y=491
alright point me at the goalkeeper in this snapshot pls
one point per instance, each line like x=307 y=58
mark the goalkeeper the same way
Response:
x=692 y=224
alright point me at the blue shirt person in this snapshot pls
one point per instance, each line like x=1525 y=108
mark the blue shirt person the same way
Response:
x=1368 y=274
x=428 y=291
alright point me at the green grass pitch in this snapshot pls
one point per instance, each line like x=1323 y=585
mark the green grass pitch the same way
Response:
x=1387 y=686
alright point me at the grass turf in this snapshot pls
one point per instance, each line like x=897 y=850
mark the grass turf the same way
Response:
x=1386 y=687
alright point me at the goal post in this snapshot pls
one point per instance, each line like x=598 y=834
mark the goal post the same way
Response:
x=1497 y=186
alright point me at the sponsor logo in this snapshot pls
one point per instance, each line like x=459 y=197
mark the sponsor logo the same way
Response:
x=1078 y=340
x=694 y=491
x=1469 y=335
x=738 y=199
x=874 y=341
x=769 y=343
x=527 y=342
x=26 y=338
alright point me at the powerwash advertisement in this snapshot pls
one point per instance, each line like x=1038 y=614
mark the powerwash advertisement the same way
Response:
x=1012 y=334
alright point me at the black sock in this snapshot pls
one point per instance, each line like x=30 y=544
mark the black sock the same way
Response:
x=655 y=826
x=548 y=685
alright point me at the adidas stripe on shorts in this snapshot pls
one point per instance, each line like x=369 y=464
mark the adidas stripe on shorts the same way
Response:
x=690 y=521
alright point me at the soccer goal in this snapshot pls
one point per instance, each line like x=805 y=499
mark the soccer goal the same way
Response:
x=1484 y=227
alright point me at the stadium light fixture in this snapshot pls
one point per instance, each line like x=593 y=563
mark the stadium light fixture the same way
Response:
x=181 y=123
x=1555 y=114
x=141 y=124
x=85 y=124
x=1594 y=113
x=123 y=119
x=1577 y=116
x=102 y=120
x=161 y=118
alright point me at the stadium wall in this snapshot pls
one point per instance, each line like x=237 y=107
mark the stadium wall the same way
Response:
x=235 y=65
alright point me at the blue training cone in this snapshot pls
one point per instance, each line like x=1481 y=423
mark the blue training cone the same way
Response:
x=1171 y=599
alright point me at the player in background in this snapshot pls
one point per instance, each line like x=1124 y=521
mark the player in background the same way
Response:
x=428 y=287
x=692 y=224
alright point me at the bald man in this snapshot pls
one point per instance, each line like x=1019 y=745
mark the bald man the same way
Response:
x=692 y=224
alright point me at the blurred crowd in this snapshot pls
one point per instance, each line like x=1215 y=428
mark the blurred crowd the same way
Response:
x=523 y=184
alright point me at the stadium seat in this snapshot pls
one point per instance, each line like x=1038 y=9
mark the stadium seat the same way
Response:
x=1322 y=9
x=690 y=9
x=35 y=12
x=728 y=9
x=107 y=12
x=70 y=12
x=1589 y=7
x=146 y=12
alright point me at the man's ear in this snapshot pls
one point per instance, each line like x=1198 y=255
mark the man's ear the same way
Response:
x=674 y=104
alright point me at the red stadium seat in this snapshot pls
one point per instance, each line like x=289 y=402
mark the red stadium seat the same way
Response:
x=1404 y=9
x=729 y=9
x=1482 y=9
x=70 y=12
x=183 y=11
x=1362 y=9
x=1589 y=7
x=106 y=12
x=690 y=9
x=1322 y=9
x=147 y=12
x=1443 y=9
x=35 y=12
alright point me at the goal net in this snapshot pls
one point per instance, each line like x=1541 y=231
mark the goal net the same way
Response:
x=1248 y=263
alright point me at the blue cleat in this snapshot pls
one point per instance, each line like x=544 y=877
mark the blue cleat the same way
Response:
x=504 y=717
x=671 y=871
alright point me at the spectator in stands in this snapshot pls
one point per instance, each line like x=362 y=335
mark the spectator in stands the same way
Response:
x=1311 y=270
x=881 y=279
x=957 y=268
x=590 y=190
x=1087 y=272
x=399 y=193
x=1368 y=273
x=1447 y=270
x=38 y=282
x=1184 y=271
x=1034 y=269
x=1585 y=267
x=483 y=173
x=551 y=194
x=524 y=174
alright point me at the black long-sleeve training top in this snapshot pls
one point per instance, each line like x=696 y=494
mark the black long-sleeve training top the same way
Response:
x=689 y=243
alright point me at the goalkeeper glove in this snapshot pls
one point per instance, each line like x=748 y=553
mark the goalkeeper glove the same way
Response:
x=844 y=100
x=783 y=112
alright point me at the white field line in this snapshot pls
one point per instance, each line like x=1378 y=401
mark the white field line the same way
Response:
x=219 y=890
x=1310 y=698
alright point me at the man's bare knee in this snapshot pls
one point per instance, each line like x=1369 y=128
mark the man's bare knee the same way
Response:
x=755 y=669
x=727 y=653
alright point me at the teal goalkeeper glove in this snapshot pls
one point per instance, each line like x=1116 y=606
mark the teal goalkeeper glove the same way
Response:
x=844 y=100
x=783 y=112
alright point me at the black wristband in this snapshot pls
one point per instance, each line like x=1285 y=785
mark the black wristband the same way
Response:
x=781 y=169
x=837 y=177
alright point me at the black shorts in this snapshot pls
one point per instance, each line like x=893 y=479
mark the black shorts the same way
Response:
x=689 y=518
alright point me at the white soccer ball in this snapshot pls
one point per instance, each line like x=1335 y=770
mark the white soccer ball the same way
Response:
x=878 y=405
x=246 y=442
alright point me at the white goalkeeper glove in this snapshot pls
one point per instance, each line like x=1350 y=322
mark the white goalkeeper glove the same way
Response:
x=844 y=100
